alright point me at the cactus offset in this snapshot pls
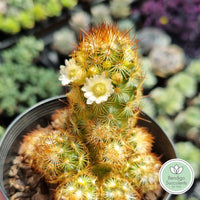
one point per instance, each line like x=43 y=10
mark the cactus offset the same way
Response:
x=81 y=186
x=54 y=152
x=93 y=149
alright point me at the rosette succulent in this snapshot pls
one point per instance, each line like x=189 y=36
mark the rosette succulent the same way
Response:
x=93 y=148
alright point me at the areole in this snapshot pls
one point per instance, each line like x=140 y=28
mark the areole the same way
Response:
x=41 y=114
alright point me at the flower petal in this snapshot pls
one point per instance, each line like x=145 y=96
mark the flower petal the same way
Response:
x=90 y=100
x=63 y=79
x=88 y=94
x=99 y=88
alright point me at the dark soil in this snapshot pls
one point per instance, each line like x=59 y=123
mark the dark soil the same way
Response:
x=25 y=184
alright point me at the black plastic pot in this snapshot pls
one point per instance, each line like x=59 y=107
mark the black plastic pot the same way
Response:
x=40 y=114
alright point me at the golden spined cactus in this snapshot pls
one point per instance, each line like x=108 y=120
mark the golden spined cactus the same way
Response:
x=108 y=70
x=93 y=149
x=106 y=145
x=115 y=153
x=54 y=153
x=139 y=140
x=82 y=186
x=100 y=135
x=30 y=141
x=60 y=118
x=114 y=187
x=142 y=171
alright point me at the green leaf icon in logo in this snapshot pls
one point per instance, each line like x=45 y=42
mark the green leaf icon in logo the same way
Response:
x=176 y=169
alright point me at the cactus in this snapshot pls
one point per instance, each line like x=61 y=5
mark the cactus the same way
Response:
x=59 y=151
x=93 y=149
x=115 y=187
x=81 y=186
x=142 y=171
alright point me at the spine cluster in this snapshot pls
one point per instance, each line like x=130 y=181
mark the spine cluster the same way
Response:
x=93 y=149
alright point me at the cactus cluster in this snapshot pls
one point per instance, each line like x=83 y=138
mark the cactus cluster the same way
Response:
x=93 y=148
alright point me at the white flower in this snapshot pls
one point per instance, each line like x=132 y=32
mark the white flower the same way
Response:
x=97 y=89
x=71 y=72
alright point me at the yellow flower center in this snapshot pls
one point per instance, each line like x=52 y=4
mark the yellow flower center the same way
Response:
x=72 y=73
x=99 y=89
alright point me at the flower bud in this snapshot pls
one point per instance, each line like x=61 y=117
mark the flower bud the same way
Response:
x=93 y=71
x=117 y=78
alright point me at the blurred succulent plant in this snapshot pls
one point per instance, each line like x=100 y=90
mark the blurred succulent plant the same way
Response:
x=127 y=25
x=53 y=8
x=100 y=13
x=39 y=12
x=69 y=3
x=80 y=20
x=194 y=69
x=167 y=60
x=26 y=20
x=187 y=119
x=151 y=37
x=9 y=25
x=23 y=14
x=193 y=134
x=168 y=100
x=184 y=82
x=150 y=78
x=148 y=106
x=167 y=124
x=185 y=197
x=93 y=149
x=26 y=49
x=64 y=41
x=21 y=79
x=187 y=151
x=120 y=8
x=3 y=7
x=196 y=101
